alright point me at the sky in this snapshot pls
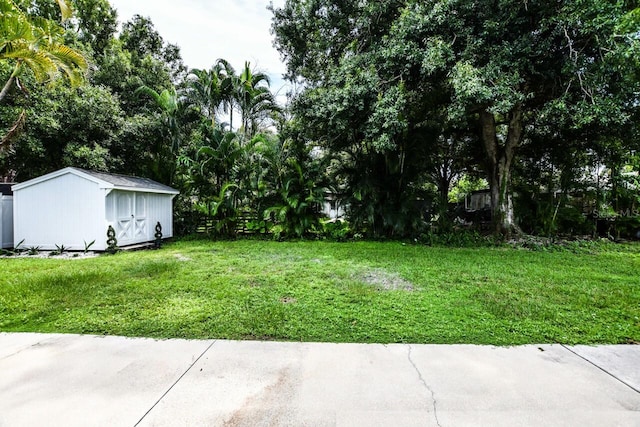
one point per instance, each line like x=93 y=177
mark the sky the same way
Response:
x=205 y=30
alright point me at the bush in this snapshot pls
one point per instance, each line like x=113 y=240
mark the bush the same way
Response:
x=571 y=221
x=337 y=230
x=459 y=238
x=628 y=227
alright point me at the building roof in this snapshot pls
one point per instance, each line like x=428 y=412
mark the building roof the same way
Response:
x=132 y=182
x=105 y=180
x=5 y=189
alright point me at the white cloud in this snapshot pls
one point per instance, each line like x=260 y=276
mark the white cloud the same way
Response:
x=205 y=30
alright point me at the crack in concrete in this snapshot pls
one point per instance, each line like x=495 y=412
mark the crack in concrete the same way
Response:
x=174 y=384
x=31 y=346
x=429 y=389
x=601 y=368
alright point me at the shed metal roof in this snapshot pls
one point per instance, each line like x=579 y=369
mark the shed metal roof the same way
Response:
x=105 y=180
x=126 y=181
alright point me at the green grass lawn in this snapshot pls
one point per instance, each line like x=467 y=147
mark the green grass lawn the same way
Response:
x=339 y=292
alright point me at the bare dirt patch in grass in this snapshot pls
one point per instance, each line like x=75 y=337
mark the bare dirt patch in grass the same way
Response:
x=182 y=258
x=385 y=281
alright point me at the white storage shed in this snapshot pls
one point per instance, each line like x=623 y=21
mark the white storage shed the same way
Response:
x=74 y=206
x=6 y=216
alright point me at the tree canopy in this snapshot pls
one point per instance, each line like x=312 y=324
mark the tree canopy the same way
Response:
x=400 y=110
x=395 y=79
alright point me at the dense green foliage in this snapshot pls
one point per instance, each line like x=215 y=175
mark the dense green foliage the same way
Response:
x=400 y=107
x=35 y=43
x=315 y=291
x=143 y=112
x=407 y=94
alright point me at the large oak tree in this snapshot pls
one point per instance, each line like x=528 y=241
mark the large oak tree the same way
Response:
x=378 y=72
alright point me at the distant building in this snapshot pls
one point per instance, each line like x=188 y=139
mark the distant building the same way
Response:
x=332 y=207
x=478 y=200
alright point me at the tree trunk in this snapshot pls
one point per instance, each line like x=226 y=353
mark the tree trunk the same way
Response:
x=5 y=142
x=445 y=221
x=499 y=165
x=7 y=87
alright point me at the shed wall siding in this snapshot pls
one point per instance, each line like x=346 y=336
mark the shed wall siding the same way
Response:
x=6 y=222
x=67 y=210
x=161 y=210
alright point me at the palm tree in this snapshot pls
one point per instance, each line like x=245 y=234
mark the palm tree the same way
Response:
x=214 y=91
x=204 y=91
x=228 y=84
x=221 y=90
x=169 y=105
x=171 y=108
x=255 y=100
x=37 y=44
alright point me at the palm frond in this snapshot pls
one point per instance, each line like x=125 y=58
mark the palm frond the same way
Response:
x=40 y=64
x=145 y=90
x=66 y=55
x=14 y=30
x=66 y=9
x=37 y=44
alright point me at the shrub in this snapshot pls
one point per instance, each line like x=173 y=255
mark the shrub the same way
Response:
x=459 y=238
x=337 y=230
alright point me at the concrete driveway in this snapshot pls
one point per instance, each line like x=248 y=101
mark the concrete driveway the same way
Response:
x=72 y=380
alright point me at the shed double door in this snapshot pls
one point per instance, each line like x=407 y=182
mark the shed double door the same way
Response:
x=131 y=217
